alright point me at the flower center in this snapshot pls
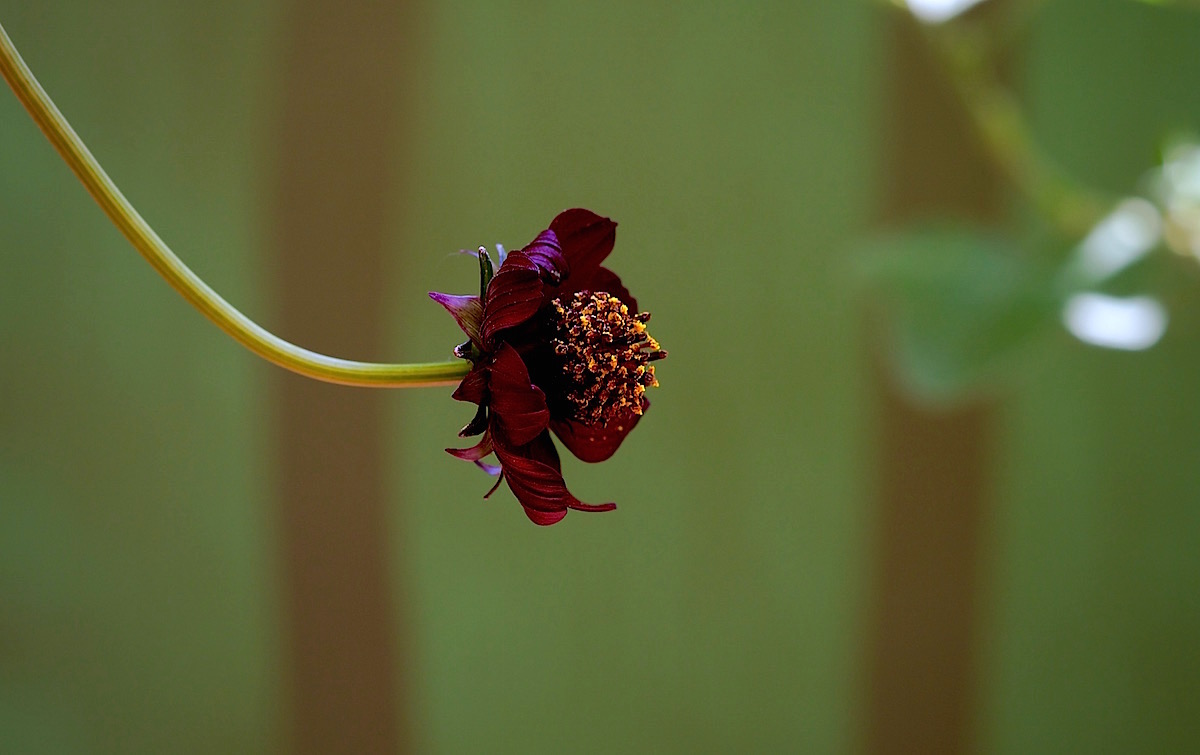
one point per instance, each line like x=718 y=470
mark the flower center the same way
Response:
x=606 y=355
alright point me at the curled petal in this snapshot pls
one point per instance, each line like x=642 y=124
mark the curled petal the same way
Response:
x=597 y=442
x=593 y=507
x=547 y=254
x=513 y=296
x=466 y=310
x=475 y=452
x=499 y=479
x=473 y=387
x=478 y=423
x=533 y=475
x=517 y=406
x=585 y=238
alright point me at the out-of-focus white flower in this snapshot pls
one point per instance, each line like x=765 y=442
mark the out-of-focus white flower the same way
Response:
x=937 y=11
x=1124 y=236
x=1178 y=189
x=1128 y=323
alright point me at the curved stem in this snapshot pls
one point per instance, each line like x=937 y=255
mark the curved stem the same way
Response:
x=244 y=330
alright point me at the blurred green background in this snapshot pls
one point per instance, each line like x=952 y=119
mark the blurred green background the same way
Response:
x=727 y=605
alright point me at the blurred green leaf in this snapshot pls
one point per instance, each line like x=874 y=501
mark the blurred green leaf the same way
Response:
x=960 y=307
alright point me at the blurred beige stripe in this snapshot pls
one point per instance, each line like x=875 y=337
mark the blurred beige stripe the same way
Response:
x=343 y=68
x=933 y=475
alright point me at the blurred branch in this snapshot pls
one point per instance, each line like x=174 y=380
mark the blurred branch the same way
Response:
x=155 y=251
x=967 y=53
x=1001 y=125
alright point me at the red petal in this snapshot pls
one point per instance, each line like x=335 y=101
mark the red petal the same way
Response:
x=547 y=254
x=520 y=260
x=607 y=280
x=585 y=237
x=539 y=485
x=517 y=406
x=544 y=518
x=545 y=452
x=593 y=443
x=595 y=507
x=598 y=279
x=473 y=387
x=467 y=312
x=475 y=452
x=513 y=296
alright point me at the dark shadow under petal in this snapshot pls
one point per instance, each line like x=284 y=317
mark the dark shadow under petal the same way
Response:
x=477 y=424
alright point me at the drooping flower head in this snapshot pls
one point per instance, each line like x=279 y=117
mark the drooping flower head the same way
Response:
x=556 y=344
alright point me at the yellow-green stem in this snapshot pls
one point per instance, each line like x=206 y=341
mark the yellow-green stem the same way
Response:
x=244 y=330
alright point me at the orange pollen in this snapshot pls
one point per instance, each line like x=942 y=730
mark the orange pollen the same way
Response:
x=606 y=355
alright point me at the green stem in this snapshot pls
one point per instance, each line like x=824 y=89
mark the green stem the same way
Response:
x=244 y=330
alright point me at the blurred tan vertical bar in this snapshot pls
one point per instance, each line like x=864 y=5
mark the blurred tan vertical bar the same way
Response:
x=336 y=132
x=933 y=481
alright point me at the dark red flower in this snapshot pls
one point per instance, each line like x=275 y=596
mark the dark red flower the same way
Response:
x=556 y=344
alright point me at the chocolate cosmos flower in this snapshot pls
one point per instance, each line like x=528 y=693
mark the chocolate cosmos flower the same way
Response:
x=556 y=344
